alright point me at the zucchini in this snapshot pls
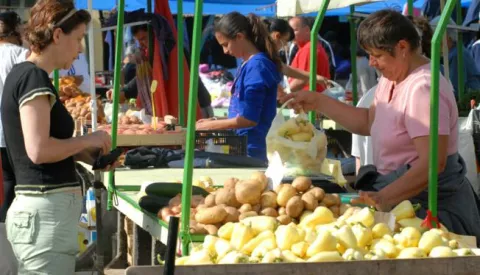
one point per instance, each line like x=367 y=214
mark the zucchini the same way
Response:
x=168 y=189
x=153 y=204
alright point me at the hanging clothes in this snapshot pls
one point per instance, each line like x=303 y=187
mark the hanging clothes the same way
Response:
x=166 y=96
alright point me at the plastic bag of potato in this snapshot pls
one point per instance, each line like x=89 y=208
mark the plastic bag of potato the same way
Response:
x=301 y=146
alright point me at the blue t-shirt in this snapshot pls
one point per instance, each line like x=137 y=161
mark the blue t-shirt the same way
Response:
x=254 y=97
x=470 y=71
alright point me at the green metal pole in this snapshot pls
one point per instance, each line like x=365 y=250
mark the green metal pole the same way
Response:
x=434 y=97
x=353 y=54
x=190 y=142
x=410 y=7
x=181 y=88
x=313 y=51
x=150 y=34
x=461 y=77
x=56 y=80
x=116 y=93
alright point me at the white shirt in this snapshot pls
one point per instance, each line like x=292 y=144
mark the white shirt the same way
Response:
x=10 y=55
x=79 y=68
x=362 y=145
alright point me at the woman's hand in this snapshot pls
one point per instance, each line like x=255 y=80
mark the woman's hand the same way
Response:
x=100 y=140
x=323 y=81
x=375 y=199
x=204 y=124
x=303 y=101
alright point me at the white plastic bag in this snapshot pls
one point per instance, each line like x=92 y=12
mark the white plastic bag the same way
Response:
x=299 y=157
x=466 y=149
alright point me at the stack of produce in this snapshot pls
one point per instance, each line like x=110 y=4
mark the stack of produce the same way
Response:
x=320 y=237
x=69 y=88
x=79 y=108
x=240 y=199
x=133 y=129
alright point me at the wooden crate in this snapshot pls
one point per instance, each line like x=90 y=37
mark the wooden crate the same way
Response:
x=165 y=139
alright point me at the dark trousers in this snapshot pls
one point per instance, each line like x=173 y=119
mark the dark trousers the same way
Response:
x=8 y=184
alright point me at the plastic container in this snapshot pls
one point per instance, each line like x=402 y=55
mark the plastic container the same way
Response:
x=225 y=141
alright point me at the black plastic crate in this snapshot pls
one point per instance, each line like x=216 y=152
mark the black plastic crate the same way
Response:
x=237 y=145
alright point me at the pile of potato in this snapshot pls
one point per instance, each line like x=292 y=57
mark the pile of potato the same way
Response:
x=240 y=199
x=69 y=88
x=79 y=108
x=127 y=120
x=133 y=129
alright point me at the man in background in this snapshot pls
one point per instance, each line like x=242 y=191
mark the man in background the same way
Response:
x=301 y=29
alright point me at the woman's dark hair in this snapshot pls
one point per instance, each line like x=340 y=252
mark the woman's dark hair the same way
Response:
x=426 y=33
x=281 y=26
x=48 y=15
x=253 y=28
x=384 y=29
x=9 y=23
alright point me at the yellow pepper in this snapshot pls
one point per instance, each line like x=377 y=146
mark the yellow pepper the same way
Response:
x=225 y=232
x=241 y=235
x=201 y=257
x=409 y=237
x=234 y=257
x=346 y=238
x=389 y=248
x=441 y=252
x=404 y=210
x=380 y=229
x=263 y=248
x=413 y=222
x=300 y=249
x=325 y=242
x=301 y=137
x=261 y=223
x=222 y=247
x=463 y=252
x=273 y=256
x=363 y=234
x=364 y=216
x=326 y=256
x=353 y=255
x=290 y=127
x=287 y=235
x=321 y=215
x=209 y=244
x=429 y=240
x=253 y=243
x=290 y=257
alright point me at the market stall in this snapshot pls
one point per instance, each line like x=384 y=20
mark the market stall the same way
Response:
x=272 y=238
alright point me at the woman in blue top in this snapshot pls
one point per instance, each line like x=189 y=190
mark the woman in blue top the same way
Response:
x=253 y=102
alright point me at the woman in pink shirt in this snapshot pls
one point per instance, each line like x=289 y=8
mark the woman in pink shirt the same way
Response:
x=399 y=123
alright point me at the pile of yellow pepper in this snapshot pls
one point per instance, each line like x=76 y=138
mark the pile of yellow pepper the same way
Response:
x=319 y=237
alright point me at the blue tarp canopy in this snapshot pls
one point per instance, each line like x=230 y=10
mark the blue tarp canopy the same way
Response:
x=259 y=7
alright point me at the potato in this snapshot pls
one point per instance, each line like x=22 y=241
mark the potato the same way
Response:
x=268 y=200
x=295 y=207
x=211 y=215
x=260 y=176
x=245 y=208
x=257 y=208
x=271 y=212
x=309 y=201
x=277 y=189
x=284 y=219
x=331 y=200
x=210 y=200
x=335 y=210
x=248 y=191
x=226 y=196
x=247 y=214
x=202 y=206
x=175 y=201
x=165 y=214
x=282 y=211
x=285 y=194
x=230 y=183
x=317 y=192
x=232 y=214
x=198 y=229
x=211 y=229
x=197 y=200
x=176 y=209
x=302 y=183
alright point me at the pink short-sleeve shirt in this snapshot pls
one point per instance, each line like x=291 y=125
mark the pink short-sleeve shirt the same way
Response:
x=407 y=116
